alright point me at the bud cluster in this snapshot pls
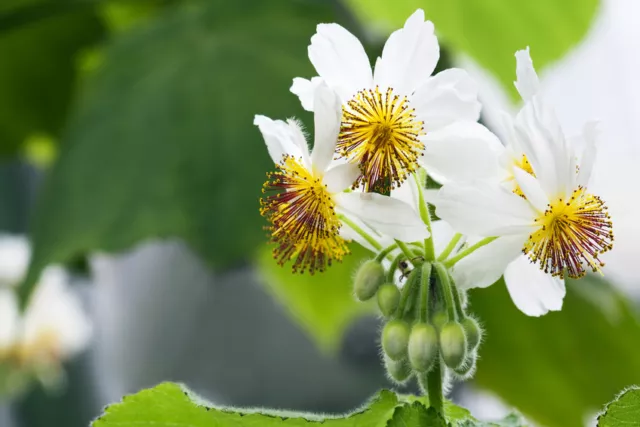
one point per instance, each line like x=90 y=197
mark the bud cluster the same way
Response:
x=427 y=325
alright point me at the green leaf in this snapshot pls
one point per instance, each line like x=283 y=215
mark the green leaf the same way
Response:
x=623 y=411
x=323 y=304
x=39 y=45
x=416 y=415
x=163 y=142
x=172 y=405
x=560 y=367
x=490 y=31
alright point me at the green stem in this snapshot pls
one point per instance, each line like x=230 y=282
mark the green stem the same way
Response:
x=406 y=292
x=471 y=249
x=425 y=280
x=373 y=242
x=393 y=267
x=429 y=248
x=386 y=251
x=405 y=250
x=452 y=244
x=457 y=301
x=434 y=388
x=445 y=288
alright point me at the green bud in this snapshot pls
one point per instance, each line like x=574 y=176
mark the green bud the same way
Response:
x=423 y=347
x=388 y=299
x=395 y=338
x=473 y=332
x=439 y=320
x=453 y=345
x=368 y=279
x=468 y=368
x=398 y=372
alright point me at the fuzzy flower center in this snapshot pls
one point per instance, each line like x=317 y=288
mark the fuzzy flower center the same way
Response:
x=379 y=132
x=572 y=233
x=304 y=224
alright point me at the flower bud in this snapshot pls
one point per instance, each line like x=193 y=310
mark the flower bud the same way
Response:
x=368 y=279
x=388 y=299
x=468 y=368
x=473 y=332
x=395 y=338
x=440 y=319
x=398 y=372
x=423 y=347
x=453 y=345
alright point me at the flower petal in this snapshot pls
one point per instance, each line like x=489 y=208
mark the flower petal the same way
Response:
x=340 y=60
x=409 y=56
x=442 y=234
x=532 y=290
x=9 y=318
x=327 y=116
x=448 y=96
x=527 y=80
x=281 y=138
x=15 y=253
x=305 y=89
x=590 y=136
x=484 y=209
x=339 y=178
x=389 y=216
x=462 y=151
x=408 y=192
x=531 y=188
x=486 y=265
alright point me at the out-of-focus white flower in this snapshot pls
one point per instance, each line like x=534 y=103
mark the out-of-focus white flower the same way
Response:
x=309 y=205
x=547 y=220
x=399 y=116
x=53 y=327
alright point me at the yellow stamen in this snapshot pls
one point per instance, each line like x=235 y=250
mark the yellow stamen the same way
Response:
x=379 y=131
x=572 y=232
x=304 y=224
x=523 y=164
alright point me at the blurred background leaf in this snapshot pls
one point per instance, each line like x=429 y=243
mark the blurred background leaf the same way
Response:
x=163 y=142
x=39 y=44
x=490 y=31
x=562 y=366
x=323 y=304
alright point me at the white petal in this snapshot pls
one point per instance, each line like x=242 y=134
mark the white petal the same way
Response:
x=348 y=233
x=15 y=253
x=305 y=89
x=486 y=265
x=442 y=234
x=389 y=216
x=9 y=318
x=408 y=192
x=327 y=115
x=340 y=60
x=341 y=177
x=484 y=209
x=462 y=151
x=409 y=56
x=448 y=96
x=590 y=135
x=531 y=188
x=297 y=135
x=279 y=136
x=533 y=291
x=527 y=82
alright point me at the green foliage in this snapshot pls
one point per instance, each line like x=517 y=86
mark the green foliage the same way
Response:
x=561 y=366
x=39 y=45
x=163 y=142
x=490 y=31
x=171 y=405
x=323 y=304
x=623 y=411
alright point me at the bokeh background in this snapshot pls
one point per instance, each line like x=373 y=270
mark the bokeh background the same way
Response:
x=129 y=155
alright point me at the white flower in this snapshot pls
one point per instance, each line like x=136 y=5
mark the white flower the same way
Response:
x=546 y=221
x=308 y=203
x=53 y=327
x=399 y=116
